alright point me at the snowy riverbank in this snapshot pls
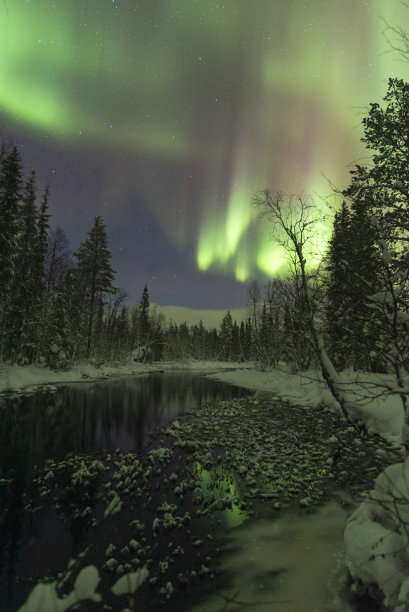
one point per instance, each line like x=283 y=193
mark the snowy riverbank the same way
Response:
x=19 y=379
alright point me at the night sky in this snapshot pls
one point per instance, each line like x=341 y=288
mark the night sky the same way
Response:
x=166 y=116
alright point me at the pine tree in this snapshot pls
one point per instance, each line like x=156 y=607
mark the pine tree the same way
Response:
x=386 y=183
x=94 y=275
x=214 y=344
x=249 y=334
x=22 y=324
x=57 y=260
x=40 y=251
x=61 y=335
x=242 y=340
x=226 y=332
x=338 y=303
x=353 y=265
x=198 y=333
x=379 y=196
x=123 y=335
x=144 y=323
x=365 y=280
x=383 y=187
x=185 y=342
x=236 y=351
x=10 y=194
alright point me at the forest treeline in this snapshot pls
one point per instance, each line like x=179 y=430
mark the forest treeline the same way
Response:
x=58 y=307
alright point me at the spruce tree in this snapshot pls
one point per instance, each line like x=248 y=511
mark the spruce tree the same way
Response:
x=10 y=224
x=248 y=339
x=57 y=260
x=263 y=339
x=339 y=302
x=236 y=351
x=383 y=187
x=353 y=266
x=243 y=345
x=61 y=336
x=22 y=320
x=365 y=280
x=144 y=321
x=386 y=183
x=40 y=252
x=94 y=275
x=380 y=196
x=226 y=337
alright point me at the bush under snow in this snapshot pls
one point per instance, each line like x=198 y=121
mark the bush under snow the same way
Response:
x=377 y=538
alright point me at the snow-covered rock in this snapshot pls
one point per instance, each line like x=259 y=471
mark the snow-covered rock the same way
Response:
x=130 y=583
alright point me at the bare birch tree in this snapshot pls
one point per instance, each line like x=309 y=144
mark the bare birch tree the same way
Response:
x=295 y=222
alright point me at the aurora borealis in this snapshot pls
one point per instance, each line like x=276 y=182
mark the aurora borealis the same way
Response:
x=165 y=116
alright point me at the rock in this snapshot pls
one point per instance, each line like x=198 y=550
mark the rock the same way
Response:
x=110 y=550
x=197 y=496
x=111 y=564
x=183 y=580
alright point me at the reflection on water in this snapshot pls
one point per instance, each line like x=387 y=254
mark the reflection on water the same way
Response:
x=81 y=418
x=218 y=482
x=99 y=416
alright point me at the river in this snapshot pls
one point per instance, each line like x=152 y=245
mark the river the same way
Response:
x=233 y=501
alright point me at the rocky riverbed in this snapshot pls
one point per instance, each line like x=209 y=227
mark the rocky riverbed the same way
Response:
x=161 y=513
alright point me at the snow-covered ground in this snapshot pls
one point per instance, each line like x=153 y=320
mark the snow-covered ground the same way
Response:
x=377 y=533
x=17 y=379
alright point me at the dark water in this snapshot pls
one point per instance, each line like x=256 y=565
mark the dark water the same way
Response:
x=85 y=418
x=99 y=416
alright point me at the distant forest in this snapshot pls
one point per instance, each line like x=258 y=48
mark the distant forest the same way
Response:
x=59 y=307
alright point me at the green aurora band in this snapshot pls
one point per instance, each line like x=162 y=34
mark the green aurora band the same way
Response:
x=223 y=243
x=296 y=73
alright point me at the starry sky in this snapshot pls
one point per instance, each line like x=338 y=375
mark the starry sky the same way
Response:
x=166 y=116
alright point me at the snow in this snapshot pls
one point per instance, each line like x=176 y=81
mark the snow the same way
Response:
x=86 y=584
x=376 y=537
x=129 y=583
x=16 y=379
x=44 y=597
x=288 y=563
x=114 y=506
